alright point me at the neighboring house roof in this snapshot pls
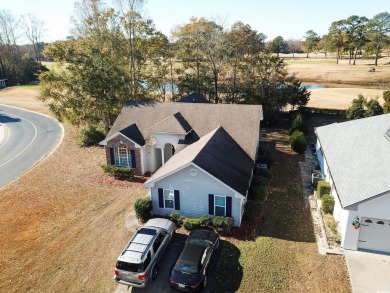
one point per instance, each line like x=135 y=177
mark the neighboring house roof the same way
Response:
x=242 y=122
x=174 y=124
x=358 y=156
x=134 y=134
x=218 y=154
x=193 y=98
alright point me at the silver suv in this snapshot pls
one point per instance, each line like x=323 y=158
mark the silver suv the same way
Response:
x=139 y=261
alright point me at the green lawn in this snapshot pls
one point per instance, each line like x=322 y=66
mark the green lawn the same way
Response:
x=273 y=260
x=28 y=86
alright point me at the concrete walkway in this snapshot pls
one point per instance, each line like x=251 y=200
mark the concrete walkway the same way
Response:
x=368 y=272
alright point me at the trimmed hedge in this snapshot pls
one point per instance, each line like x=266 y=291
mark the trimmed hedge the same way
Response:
x=205 y=220
x=298 y=124
x=118 y=172
x=143 y=209
x=259 y=193
x=386 y=105
x=266 y=153
x=253 y=209
x=191 y=224
x=323 y=188
x=327 y=204
x=176 y=218
x=259 y=181
x=264 y=173
x=223 y=222
x=90 y=136
x=298 y=142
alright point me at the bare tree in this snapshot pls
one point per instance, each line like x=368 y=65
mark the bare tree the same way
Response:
x=34 y=29
x=294 y=45
x=10 y=54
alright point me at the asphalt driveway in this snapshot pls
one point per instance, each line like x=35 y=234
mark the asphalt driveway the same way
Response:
x=161 y=284
x=369 y=272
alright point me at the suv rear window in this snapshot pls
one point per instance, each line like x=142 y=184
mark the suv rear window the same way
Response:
x=130 y=267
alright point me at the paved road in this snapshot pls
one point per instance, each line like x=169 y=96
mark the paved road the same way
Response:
x=27 y=138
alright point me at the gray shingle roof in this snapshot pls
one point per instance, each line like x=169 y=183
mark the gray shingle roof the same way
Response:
x=242 y=122
x=134 y=134
x=218 y=154
x=193 y=98
x=175 y=124
x=358 y=157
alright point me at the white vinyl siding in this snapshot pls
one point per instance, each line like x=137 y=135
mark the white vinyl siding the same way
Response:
x=194 y=194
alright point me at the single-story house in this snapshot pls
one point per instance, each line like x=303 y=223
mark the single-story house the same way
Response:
x=355 y=158
x=201 y=155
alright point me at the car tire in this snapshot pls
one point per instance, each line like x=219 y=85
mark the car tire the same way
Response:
x=155 y=273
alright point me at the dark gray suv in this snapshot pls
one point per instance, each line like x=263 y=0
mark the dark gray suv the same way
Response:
x=139 y=261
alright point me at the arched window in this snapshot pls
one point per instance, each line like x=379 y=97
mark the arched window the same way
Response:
x=122 y=155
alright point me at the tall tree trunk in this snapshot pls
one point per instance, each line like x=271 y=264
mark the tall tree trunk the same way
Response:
x=354 y=59
x=307 y=56
x=377 y=54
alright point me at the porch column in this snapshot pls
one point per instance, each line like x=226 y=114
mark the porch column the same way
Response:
x=162 y=156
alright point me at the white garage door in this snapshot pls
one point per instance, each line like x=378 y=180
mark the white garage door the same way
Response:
x=374 y=234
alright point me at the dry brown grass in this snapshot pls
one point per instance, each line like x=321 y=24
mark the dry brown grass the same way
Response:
x=60 y=231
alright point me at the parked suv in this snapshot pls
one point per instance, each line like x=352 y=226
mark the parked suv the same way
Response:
x=139 y=261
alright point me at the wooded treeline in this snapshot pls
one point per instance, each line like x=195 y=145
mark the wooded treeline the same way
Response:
x=20 y=63
x=356 y=35
x=116 y=54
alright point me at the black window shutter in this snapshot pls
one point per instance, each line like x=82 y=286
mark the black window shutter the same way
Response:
x=211 y=204
x=112 y=156
x=177 y=199
x=160 y=198
x=228 y=206
x=133 y=163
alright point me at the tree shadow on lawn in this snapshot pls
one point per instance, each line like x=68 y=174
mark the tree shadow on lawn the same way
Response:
x=7 y=119
x=227 y=269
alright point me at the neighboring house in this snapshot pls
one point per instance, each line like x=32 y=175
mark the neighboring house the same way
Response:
x=2 y=83
x=201 y=155
x=193 y=98
x=355 y=158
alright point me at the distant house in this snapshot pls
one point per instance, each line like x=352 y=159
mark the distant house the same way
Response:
x=201 y=155
x=355 y=158
x=2 y=83
x=193 y=98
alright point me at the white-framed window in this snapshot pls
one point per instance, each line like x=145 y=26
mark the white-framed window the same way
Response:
x=169 y=199
x=122 y=155
x=219 y=205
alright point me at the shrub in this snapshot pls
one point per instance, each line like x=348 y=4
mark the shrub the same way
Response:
x=223 y=223
x=298 y=142
x=323 y=188
x=143 y=209
x=264 y=173
x=298 y=124
x=386 y=105
x=327 y=204
x=90 y=136
x=205 y=220
x=266 y=153
x=253 y=209
x=176 y=218
x=259 y=181
x=259 y=193
x=374 y=108
x=191 y=224
x=118 y=172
